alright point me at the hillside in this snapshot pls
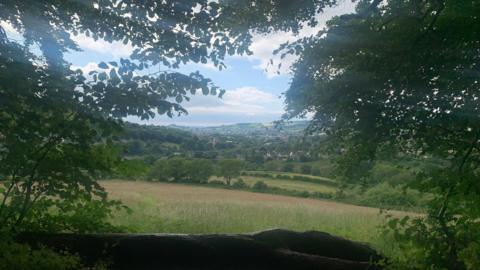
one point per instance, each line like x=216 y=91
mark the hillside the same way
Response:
x=251 y=129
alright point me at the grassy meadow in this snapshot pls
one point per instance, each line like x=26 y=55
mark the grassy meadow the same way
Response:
x=178 y=208
x=286 y=184
x=290 y=185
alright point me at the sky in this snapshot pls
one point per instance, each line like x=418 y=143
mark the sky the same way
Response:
x=253 y=87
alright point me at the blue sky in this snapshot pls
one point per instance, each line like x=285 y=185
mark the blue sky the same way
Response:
x=252 y=95
x=253 y=88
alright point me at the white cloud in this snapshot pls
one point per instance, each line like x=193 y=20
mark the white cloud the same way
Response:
x=115 y=49
x=247 y=101
x=241 y=105
x=11 y=32
x=8 y=28
x=249 y=95
x=87 y=68
x=264 y=45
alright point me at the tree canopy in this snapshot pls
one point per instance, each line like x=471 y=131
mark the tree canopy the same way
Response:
x=402 y=76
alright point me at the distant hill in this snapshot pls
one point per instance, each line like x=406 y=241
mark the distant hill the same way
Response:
x=248 y=141
x=250 y=129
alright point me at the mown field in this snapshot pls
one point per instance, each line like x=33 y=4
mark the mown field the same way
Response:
x=177 y=208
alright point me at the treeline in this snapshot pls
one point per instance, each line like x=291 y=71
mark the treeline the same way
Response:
x=179 y=169
x=230 y=174
x=143 y=145
x=143 y=140
x=257 y=151
x=292 y=177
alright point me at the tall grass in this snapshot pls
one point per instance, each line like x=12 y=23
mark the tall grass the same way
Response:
x=170 y=208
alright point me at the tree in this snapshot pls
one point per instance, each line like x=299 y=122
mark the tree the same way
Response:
x=230 y=168
x=403 y=75
x=177 y=169
x=200 y=170
x=158 y=171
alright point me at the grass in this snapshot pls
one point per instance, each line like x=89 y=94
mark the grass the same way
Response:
x=289 y=184
x=291 y=174
x=176 y=208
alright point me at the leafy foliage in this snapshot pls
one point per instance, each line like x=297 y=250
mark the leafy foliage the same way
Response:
x=229 y=168
x=402 y=77
x=259 y=185
x=179 y=169
x=21 y=256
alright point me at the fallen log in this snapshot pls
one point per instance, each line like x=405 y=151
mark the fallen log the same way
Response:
x=271 y=249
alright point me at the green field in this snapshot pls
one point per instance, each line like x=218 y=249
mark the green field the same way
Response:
x=313 y=177
x=289 y=184
x=177 y=208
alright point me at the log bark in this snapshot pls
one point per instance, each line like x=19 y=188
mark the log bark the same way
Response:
x=272 y=249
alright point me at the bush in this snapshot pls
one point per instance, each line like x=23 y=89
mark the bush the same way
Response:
x=387 y=195
x=304 y=194
x=131 y=169
x=383 y=172
x=305 y=179
x=283 y=176
x=259 y=185
x=306 y=169
x=20 y=256
x=316 y=171
x=216 y=183
x=288 y=167
x=430 y=242
x=240 y=184
x=179 y=169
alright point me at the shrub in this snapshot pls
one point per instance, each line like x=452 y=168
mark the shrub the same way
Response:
x=283 y=176
x=179 y=169
x=303 y=178
x=131 y=169
x=20 y=256
x=386 y=195
x=304 y=194
x=259 y=185
x=383 y=172
x=240 y=184
x=316 y=171
x=306 y=169
x=288 y=167
x=216 y=183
